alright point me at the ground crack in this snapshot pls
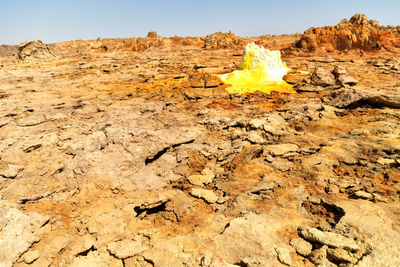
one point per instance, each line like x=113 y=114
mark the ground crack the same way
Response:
x=159 y=154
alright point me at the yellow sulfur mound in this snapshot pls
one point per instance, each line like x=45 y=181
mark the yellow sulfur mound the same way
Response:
x=260 y=70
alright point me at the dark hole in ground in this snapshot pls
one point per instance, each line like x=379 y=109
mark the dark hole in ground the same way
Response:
x=226 y=226
x=86 y=252
x=241 y=264
x=149 y=211
x=149 y=160
x=149 y=261
x=59 y=170
x=77 y=106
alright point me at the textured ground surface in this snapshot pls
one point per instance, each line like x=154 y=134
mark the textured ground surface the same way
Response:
x=118 y=158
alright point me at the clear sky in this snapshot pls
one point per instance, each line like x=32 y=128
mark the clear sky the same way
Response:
x=61 y=20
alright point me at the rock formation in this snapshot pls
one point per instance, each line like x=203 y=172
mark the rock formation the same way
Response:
x=221 y=40
x=357 y=33
x=34 y=50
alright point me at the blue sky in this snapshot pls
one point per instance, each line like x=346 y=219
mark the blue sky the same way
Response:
x=57 y=20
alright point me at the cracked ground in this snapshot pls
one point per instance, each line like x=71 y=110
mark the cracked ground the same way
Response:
x=143 y=159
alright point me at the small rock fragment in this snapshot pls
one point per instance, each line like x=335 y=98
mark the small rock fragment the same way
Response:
x=208 y=195
x=342 y=77
x=125 y=248
x=327 y=238
x=256 y=123
x=385 y=161
x=363 y=195
x=82 y=244
x=255 y=261
x=379 y=198
x=356 y=132
x=200 y=180
x=284 y=256
x=275 y=125
x=321 y=77
x=341 y=255
x=282 y=149
x=137 y=261
x=301 y=246
x=11 y=171
x=255 y=138
x=318 y=256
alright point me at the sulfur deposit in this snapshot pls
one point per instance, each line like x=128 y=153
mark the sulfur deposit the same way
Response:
x=260 y=70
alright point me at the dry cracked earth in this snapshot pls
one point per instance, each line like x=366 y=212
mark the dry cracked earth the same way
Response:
x=143 y=159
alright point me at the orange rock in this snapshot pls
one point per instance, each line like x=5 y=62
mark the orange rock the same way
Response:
x=357 y=33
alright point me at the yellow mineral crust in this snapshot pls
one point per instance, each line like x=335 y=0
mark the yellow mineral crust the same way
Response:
x=260 y=70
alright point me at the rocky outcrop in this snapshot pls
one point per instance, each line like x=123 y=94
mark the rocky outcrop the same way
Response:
x=138 y=44
x=351 y=98
x=131 y=44
x=338 y=76
x=220 y=40
x=34 y=50
x=356 y=33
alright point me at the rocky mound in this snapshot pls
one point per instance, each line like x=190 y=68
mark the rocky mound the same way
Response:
x=213 y=41
x=356 y=33
x=34 y=50
x=152 y=40
x=7 y=50
x=132 y=44
x=220 y=40
x=112 y=44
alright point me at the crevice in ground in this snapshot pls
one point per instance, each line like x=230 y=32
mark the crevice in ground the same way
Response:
x=86 y=252
x=25 y=200
x=160 y=153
